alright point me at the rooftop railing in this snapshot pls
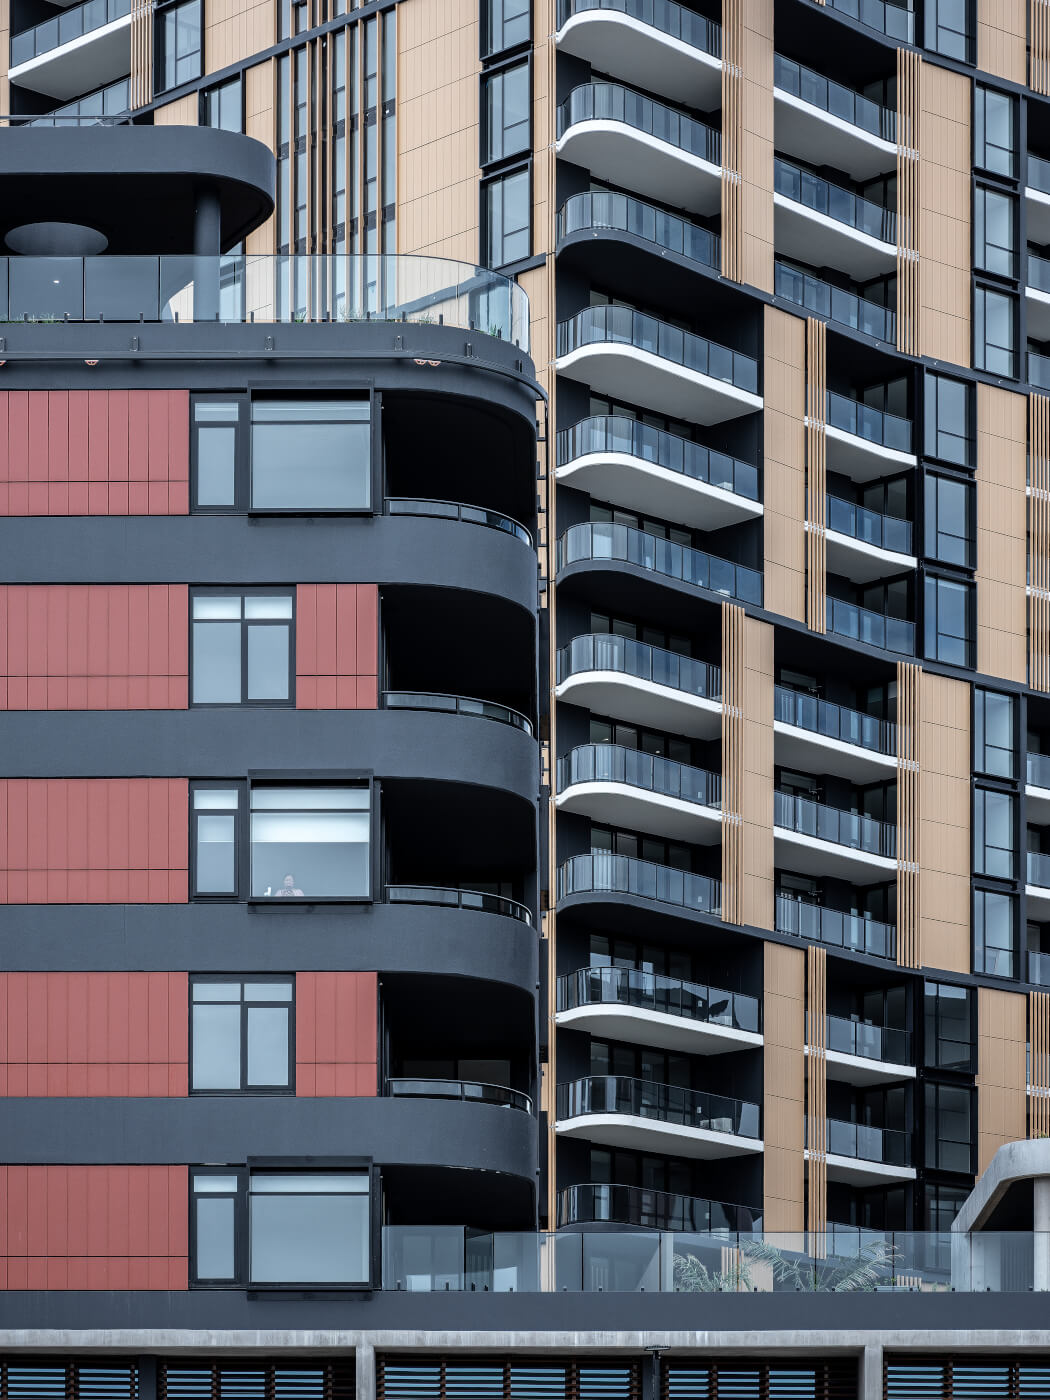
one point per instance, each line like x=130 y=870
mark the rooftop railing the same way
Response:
x=602 y=872
x=834 y=721
x=825 y=197
x=603 y=651
x=613 y=102
x=605 y=433
x=671 y=19
x=834 y=98
x=601 y=540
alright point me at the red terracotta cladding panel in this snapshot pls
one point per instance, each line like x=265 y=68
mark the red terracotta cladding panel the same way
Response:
x=94 y=647
x=93 y=1227
x=93 y=1034
x=335 y=1034
x=95 y=452
x=93 y=840
x=336 y=646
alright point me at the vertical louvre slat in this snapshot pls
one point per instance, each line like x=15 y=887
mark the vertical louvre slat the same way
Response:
x=732 y=136
x=908 y=264
x=908 y=682
x=816 y=1097
x=1039 y=45
x=1039 y=1064
x=732 y=762
x=816 y=474
x=1039 y=542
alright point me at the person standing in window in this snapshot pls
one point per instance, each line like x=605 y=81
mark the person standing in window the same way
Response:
x=289 y=888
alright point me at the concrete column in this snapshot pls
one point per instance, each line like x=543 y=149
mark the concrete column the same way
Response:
x=1041 y=1238
x=366 y=1372
x=147 y=1377
x=871 y=1373
x=207 y=244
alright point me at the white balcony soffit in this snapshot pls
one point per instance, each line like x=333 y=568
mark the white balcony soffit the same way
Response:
x=625 y=480
x=640 y=376
x=653 y=1135
x=815 y=136
x=862 y=562
x=814 y=238
x=643 y=164
x=644 y=56
x=622 y=804
x=806 y=855
x=818 y=753
x=643 y=1026
x=82 y=65
x=637 y=701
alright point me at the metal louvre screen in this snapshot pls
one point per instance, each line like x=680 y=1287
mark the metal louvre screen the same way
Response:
x=27 y=1379
x=760 y=1380
x=972 y=1378
x=244 y=1379
x=445 y=1378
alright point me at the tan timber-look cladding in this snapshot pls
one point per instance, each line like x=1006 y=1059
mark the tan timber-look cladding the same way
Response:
x=944 y=823
x=816 y=475
x=784 y=1087
x=784 y=463
x=1002 y=38
x=1039 y=542
x=236 y=29
x=183 y=111
x=1039 y=1072
x=909 y=678
x=732 y=762
x=1039 y=45
x=732 y=258
x=817 y=1095
x=1002 y=614
x=437 y=128
x=747 y=142
x=944 y=214
x=141 y=80
x=747 y=769
x=908 y=268
x=1001 y=1071
x=260 y=121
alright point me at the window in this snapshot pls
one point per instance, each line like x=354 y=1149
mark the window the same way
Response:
x=505 y=103
x=949 y=520
x=178 y=33
x=994 y=933
x=949 y=622
x=242 y=648
x=508 y=236
x=213 y=1227
x=948 y=1128
x=995 y=331
x=948 y=29
x=994 y=744
x=241 y=1035
x=995 y=132
x=214 y=843
x=505 y=24
x=216 y=434
x=311 y=454
x=993 y=833
x=949 y=420
x=995 y=232
x=949 y=1027
x=310 y=842
x=222 y=107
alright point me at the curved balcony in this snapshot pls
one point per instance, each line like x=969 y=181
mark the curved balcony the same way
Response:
x=626 y=354
x=1038 y=369
x=865 y=443
x=818 y=736
x=623 y=1112
x=820 y=223
x=864 y=545
x=1037 y=199
x=102 y=106
x=1037 y=789
x=645 y=469
x=625 y=787
x=1037 y=296
x=443 y=897
x=655 y=44
x=814 y=838
x=835 y=304
x=862 y=1054
x=603 y=211
x=645 y=1008
x=870 y=628
x=602 y=873
x=455 y=510
x=85 y=47
x=641 y=684
x=653 y=150
x=1037 y=885
x=826 y=123
x=862 y=1156
x=463 y=1089
x=885 y=16
x=602 y=541
x=455 y=705
x=602 y=1202
x=854 y=932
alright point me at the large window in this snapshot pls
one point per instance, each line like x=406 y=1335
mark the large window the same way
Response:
x=178 y=37
x=994 y=933
x=505 y=128
x=995 y=232
x=242 y=647
x=995 y=132
x=949 y=621
x=505 y=25
x=310 y=842
x=949 y=28
x=241 y=1035
x=995 y=331
x=507 y=218
x=949 y=1027
x=949 y=421
x=949 y=520
x=222 y=107
x=994 y=833
x=948 y=1129
x=994 y=736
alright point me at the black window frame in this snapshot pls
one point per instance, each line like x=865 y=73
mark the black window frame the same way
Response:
x=934 y=991
x=932 y=1090
x=981 y=791
x=239 y=786
x=212 y=91
x=933 y=437
x=500 y=70
x=239 y=1196
x=981 y=694
x=487 y=48
x=507 y=172
x=980 y=950
x=981 y=262
x=932 y=585
x=980 y=125
x=220 y=978
x=161 y=14
x=329 y=778
x=254 y=591
x=933 y=28
x=983 y=289
x=932 y=534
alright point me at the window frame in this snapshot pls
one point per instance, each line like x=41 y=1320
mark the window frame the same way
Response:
x=932 y=382
x=982 y=790
x=931 y=480
x=981 y=242
x=514 y=167
x=932 y=1091
x=486 y=48
x=239 y=786
x=934 y=991
x=983 y=288
x=931 y=583
x=245 y=1090
x=240 y=1231
x=364 y=778
x=160 y=49
x=253 y=591
x=500 y=69
x=980 y=943
x=215 y=88
x=981 y=746
x=981 y=92
x=932 y=22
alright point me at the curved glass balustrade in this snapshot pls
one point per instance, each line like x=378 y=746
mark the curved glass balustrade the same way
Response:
x=454 y=705
x=869 y=1042
x=71 y=24
x=614 y=433
x=455 y=510
x=649 y=991
x=612 y=763
x=465 y=1089
x=665 y=15
x=104 y=105
x=868 y=526
x=884 y=1145
x=642 y=1098
x=834 y=824
x=600 y=540
x=835 y=99
x=824 y=197
x=602 y=651
x=598 y=1202
x=889 y=18
x=834 y=721
x=1039 y=969
x=448 y=898
x=1038 y=272
x=834 y=304
x=621 y=325
x=601 y=872
x=1039 y=869
x=1038 y=369
x=1037 y=176
x=621 y=213
x=875 y=629
x=838 y=930
x=872 y=424
x=615 y=103
x=1037 y=769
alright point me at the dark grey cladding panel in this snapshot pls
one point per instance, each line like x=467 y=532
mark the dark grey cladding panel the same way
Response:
x=217 y=937
x=231 y=1128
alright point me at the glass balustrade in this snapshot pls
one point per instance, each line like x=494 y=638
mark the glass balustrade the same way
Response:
x=606 y=433
x=834 y=824
x=107 y=103
x=834 y=721
x=1038 y=770
x=868 y=526
x=456 y=510
x=650 y=991
x=595 y=210
x=872 y=628
x=71 y=24
x=835 y=304
x=466 y=1090
x=446 y=897
x=671 y=19
x=856 y=932
x=825 y=197
x=601 y=872
x=454 y=705
x=884 y=1145
x=1039 y=969
x=834 y=98
x=621 y=325
x=597 y=1202
x=612 y=763
x=615 y=103
x=849 y=1037
x=893 y=20
x=1038 y=370
x=604 y=540
x=603 y=651
x=666 y=1103
x=1039 y=869
x=872 y=424
x=1037 y=176
x=1038 y=272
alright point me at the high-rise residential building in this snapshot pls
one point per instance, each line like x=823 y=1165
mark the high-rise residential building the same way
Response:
x=524 y=699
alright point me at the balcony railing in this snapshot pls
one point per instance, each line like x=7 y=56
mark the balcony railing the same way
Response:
x=868 y=526
x=834 y=721
x=848 y=1037
x=600 y=540
x=595 y=210
x=1038 y=272
x=893 y=20
x=650 y=991
x=238 y=288
x=108 y=102
x=455 y=705
x=601 y=872
x=448 y=898
x=456 y=510
x=599 y=1202
x=71 y=24
x=834 y=824
x=1039 y=969
x=621 y=325
x=612 y=763
x=824 y=197
x=1038 y=369
x=872 y=628
x=669 y=18
x=466 y=1090
x=834 y=98
x=602 y=651
x=605 y=433
x=835 y=304
x=884 y=1145
x=615 y=103
x=1037 y=769
x=1039 y=870
x=1038 y=174
x=874 y=425
x=666 y=1103
x=856 y=932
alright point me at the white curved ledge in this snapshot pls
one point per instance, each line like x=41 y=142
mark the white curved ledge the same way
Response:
x=813 y=135
x=862 y=562
x=802 y=748
x=651 y=1134
x=643 y=164
x=80 y=65
x=809 y=856
x=625 y=47
x=640 y=376
x=641 y=1026
x=632 y=482
x=637 y=701
x=814 y=238
x=621 y=804
x=861 y=459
